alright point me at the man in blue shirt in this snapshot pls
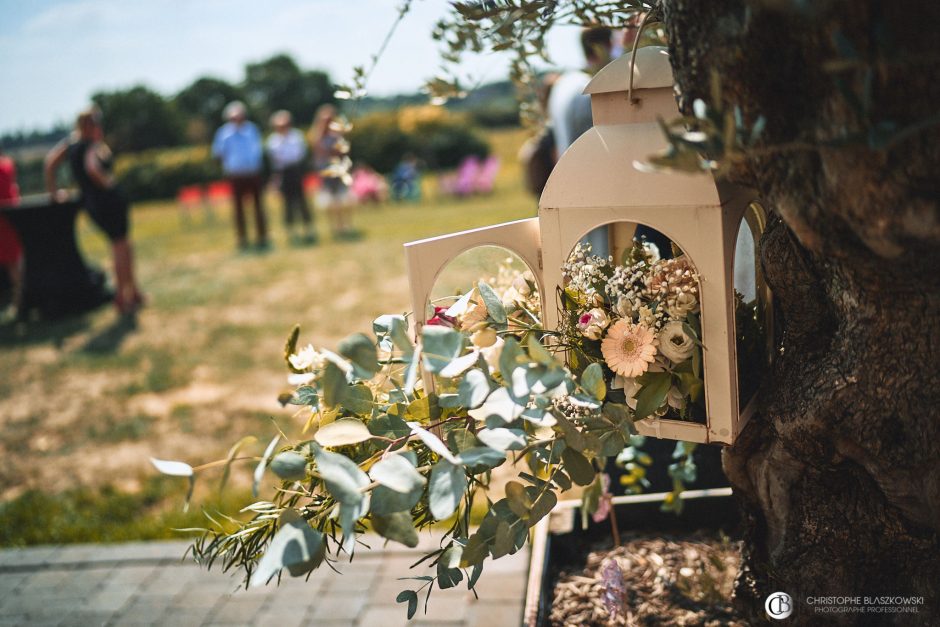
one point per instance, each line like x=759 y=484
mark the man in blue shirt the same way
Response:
x=237 y=145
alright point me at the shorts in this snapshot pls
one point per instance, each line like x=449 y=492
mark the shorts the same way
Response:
x=109 y=210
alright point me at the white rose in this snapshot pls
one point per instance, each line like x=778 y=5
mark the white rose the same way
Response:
x=682 y=305
x=674 y=343
x=521 y=285
x=592 y=324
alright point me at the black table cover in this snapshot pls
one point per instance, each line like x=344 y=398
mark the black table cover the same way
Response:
x=56 y=280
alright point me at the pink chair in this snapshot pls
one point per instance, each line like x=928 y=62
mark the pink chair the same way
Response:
x=467 y=175
x=486 y=177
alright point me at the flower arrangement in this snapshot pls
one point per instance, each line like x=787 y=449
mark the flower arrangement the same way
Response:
x=639 y=320
x=395 y=436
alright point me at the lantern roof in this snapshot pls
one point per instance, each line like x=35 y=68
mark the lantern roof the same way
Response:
x=599 y=170
x=651 y=70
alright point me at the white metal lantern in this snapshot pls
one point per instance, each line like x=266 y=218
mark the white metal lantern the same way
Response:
x=596 y=184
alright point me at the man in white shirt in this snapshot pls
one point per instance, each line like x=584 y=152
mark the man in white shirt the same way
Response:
x=287 y=149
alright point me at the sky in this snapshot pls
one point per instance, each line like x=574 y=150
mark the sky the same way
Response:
x=57 y=53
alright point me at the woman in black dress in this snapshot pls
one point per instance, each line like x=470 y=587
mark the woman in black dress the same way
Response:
x=90 y=162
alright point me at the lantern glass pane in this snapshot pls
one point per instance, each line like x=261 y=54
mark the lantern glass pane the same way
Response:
x=751 y=307
x=635 y=310
x=500 y=268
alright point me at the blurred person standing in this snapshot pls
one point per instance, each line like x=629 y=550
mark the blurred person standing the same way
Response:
x=90 y=162
x=11 y=251
x=569 y=108
x=237 y=144
x=287 y=150
x=331 y=160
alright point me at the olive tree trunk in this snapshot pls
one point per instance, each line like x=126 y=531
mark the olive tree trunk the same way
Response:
x=839 y=471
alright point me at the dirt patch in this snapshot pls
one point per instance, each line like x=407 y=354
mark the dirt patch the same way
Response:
x=652 y=580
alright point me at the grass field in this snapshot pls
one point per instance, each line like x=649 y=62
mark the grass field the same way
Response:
x=84 y=403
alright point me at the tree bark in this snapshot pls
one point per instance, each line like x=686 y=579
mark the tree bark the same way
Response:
x=838 y=473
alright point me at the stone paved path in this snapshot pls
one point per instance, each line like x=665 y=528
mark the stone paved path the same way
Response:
x=147 y=584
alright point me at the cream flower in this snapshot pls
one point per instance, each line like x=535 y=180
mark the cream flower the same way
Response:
x=592 y=324
x=484 y=337
x=624 y=307
x=629 y=349
x=674 y=343
x=521 y=285
x=491 y=354
x=682 y=304
x=647 y=317
x=476 y=312
x=307 y=358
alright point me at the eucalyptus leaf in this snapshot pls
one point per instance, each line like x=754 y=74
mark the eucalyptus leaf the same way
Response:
x=359 y=399
x=386 y=501
x=482 y=456
x=446 y=489
x=396 y=328
x=459 y=365
x=397 y=473
x=440 y=346
x=172 y=468
x=295 y=546
x=499 y=403
x=259 y=469
x=360 y=350
x=448 y=568
x=289 y=466
x=494 y=306
x=342 y=432
x=345 y=481
x=578 y=467
x=433 y=442
x=333 y=384
x=592 y=380
x=397 y=527
x=503 y=439
x=474 y=388
x=411 y=598
x=538 y=352
x=389 y=426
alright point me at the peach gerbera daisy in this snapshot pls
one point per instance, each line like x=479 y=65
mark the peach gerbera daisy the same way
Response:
x=629 y=349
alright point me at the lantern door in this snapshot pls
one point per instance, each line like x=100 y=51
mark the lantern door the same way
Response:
x=428 y=257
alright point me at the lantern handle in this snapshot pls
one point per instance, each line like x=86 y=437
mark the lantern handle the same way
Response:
x=636 y=41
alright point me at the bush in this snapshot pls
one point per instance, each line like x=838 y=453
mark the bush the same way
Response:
x=159 y=174
x=439 y=138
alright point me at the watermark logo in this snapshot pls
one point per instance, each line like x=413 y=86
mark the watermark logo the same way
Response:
x=779 y=605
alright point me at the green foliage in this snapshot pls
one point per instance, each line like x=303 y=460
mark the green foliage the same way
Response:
x=279 y=83
x=161 y=173
x=138 y=119
x=438 y=138
x=105 y=514
x=203 y=102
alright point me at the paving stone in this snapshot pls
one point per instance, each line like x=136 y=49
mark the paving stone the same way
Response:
x=34 y=556
x=86 y=619
x=494 y=614
x=501 y=587
x=10 y=582
x=384 y=615
x=335 y=606
x=283 y=617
